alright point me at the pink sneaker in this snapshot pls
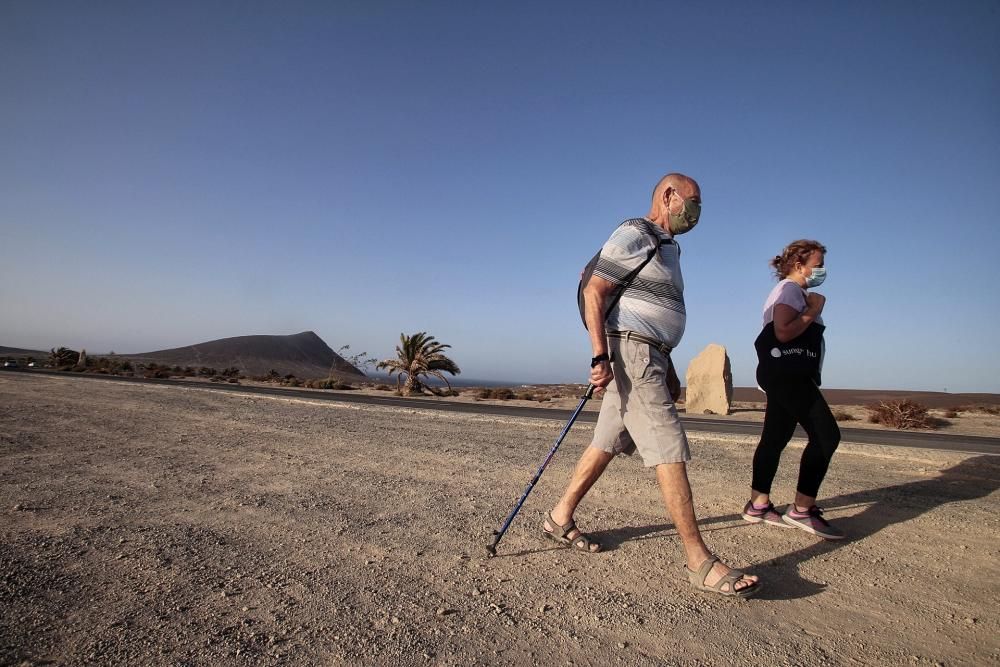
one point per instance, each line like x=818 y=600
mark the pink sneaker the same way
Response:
x=767 y=515
x=812 y=521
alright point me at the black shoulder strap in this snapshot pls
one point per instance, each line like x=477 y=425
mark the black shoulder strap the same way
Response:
x=657 y=244
x=648 y=228
x=631 y=276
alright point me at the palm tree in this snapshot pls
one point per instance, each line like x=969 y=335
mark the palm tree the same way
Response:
x=63 y=357
x=417 y=356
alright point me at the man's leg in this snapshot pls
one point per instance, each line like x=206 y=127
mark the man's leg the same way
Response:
x=677 y=496
x=589 y=468
x=610 y=437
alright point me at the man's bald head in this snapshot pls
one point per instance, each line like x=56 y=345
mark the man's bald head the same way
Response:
x=685 y=186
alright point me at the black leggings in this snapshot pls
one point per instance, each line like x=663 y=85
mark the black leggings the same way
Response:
x=791 y=401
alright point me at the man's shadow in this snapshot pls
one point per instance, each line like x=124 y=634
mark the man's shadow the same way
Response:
x=973 y=478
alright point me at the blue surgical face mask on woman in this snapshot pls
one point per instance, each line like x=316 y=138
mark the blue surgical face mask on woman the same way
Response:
x=816 y=278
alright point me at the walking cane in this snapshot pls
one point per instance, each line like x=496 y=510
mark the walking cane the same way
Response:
x=492 y=548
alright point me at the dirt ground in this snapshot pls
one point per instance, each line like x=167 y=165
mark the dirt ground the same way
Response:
x=152 y=525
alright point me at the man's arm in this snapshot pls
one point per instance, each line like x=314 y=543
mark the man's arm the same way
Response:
x=595 y=298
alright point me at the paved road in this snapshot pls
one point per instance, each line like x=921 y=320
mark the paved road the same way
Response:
x=920 y=440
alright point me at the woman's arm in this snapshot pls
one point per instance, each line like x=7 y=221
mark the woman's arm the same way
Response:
x=790 y=323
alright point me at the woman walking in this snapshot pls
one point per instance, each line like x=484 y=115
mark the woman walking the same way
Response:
x=790 y=356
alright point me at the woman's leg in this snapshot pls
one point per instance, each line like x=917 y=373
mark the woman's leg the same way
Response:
x=779 y=425
x=824 y=436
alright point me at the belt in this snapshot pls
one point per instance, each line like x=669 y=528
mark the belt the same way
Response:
x=631 y=335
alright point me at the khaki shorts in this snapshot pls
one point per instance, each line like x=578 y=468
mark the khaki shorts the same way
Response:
x=637 y=411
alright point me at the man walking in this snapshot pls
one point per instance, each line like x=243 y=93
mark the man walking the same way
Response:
x=632 y=360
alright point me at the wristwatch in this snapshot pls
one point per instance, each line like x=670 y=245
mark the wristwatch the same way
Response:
x=599 y=358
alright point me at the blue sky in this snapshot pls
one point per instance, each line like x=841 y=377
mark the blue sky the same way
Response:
x=177 y=172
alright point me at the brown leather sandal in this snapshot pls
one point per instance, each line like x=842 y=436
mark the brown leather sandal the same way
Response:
x=559 y=534
x=697 y=580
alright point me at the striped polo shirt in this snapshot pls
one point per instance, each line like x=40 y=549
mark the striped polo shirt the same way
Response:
x=653 y=305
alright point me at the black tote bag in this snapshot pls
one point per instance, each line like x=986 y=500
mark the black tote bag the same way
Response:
x=800 y=357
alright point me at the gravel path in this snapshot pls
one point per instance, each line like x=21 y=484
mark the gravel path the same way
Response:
x=174 y=526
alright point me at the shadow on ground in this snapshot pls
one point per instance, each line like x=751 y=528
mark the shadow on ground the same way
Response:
x=974 y=478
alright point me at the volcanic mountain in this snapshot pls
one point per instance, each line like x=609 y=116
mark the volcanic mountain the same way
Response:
x=304 y=355
x=21 y=352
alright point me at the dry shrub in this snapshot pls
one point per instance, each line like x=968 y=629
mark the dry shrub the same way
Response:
x=384 y=387
x=904 y=414
x=533 y=396
x=843 y=416
x=327 y=383
x=951 y=413
x=499 y=393
x=980 y=407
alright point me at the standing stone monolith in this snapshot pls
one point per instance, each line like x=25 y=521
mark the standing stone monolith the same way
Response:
x=709 y=382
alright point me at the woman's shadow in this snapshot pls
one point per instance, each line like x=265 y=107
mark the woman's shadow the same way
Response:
x=973 y=478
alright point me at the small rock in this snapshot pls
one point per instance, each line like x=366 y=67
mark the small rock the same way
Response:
x=622 y=644
x=18 y=507
x=970 y=621
x=544 y=608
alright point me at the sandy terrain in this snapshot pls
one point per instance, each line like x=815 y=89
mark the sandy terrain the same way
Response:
x=175 y=526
